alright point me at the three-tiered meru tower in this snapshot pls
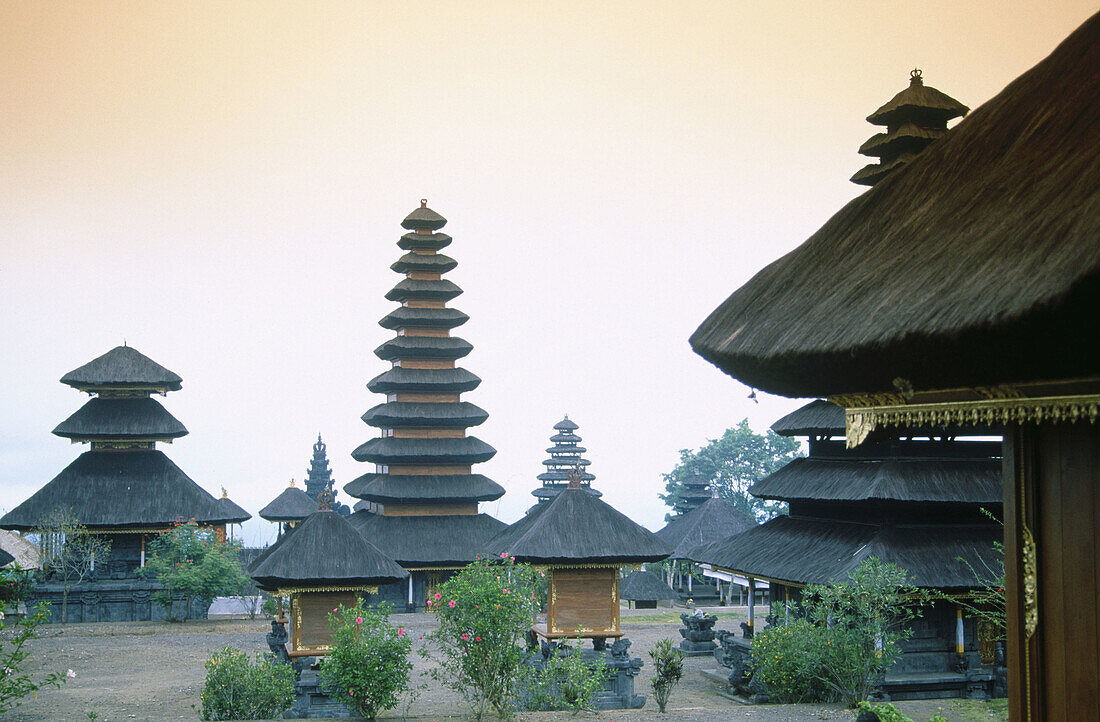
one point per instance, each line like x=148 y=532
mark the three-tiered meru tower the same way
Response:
x=422 y=497
x=565 y=456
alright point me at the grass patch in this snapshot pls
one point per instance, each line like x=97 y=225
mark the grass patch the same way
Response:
x=674 y=616
x=972 y=710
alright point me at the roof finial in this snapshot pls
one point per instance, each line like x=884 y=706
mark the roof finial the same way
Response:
x=324 y=499
x=574 y=477
x=225 y=494
x=292 y=482
x=423 y=202
x=915 y=77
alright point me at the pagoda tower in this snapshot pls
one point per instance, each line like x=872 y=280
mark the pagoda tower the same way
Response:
x=319 y=478
x=693 y=493
x=123 y=488
x=913 y=118
x=565 y=456
x=422 y=495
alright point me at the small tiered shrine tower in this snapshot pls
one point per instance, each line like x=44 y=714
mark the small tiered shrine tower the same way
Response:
x=123 y=488
x=319 y=478
x=692 y=494
x=422 y=495
x=565 y=457
x=913 y=118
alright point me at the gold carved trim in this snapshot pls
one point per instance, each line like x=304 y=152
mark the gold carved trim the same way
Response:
x=1030 y=583
x=862 y=414
x=287 y=591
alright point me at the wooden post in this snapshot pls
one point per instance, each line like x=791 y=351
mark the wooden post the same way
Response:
x=410 y=588
x=142 y=550
x=752 y=603
x=960 y=638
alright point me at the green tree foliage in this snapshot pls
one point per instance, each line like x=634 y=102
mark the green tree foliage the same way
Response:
x=238 y=689
x=15 y=682
x=842 y=640
x=668 y=668
x=193 y=565
x=368 y=666
x=731 y=464
x=484 y=613
x=70 y=552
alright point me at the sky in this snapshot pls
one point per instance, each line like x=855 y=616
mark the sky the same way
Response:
x=221 y=186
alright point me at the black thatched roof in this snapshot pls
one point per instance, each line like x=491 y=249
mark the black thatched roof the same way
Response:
x=908 y=137
x=293 y=504
x=5 y=558
x=817 y=418
x=461 y=414
x=426 y=290
x=549 y=491
x=566 y=438
x=403 y=316
x=578 y=527
x=119 y=489
x=427 y=262
x=644 y=586
x=113 y=418
x=450 y=347
x=969 y=481
x=397 y=379
x=424 y=241
x=920 y=102
x=385 y=488
x=122 y=366
x=234 y=514
x=428 y=540
x=562 y=475
x=976 y=264
x=423 y=219
x=324 y=550
x=566 y=425
x=713 y=520
x=395 y=450
x=811 y=551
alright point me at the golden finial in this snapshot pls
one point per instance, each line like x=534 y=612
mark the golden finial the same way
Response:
x=324 y=499
x=574 y=477
x=225 y=494
x=292 y=482
x=423 y=202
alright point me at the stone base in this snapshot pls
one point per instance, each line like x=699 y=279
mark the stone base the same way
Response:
x=618 y=690
x=107 y=600
x=309 y=701
x=697 y=649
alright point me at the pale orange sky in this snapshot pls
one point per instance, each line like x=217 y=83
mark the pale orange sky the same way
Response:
x=221 y=185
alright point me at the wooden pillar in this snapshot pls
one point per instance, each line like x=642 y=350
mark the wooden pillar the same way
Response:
x=689 y=582
x=410 y=588
x=142 y=550
x=752 y=603
x=960 y=637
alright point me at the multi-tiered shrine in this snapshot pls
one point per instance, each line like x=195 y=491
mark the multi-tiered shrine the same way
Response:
x=123 y=488
x=913 y=118
x=422 y=496
x=319 y=478
x=692 y=494
x=565 y=458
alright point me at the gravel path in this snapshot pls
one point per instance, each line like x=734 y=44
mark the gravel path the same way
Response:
x=154 y=671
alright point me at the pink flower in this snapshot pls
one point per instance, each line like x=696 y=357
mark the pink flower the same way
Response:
x=476 y=607
x=505 y=591
x=358 y=620
x=451 y=604
x=429 y=602
x=351 y=692
x=438 y=596
x=477 y=639
x=333 y=609
x=465 y=636
x=542 y=574
x=504 y=555
x=512 y=559
x=401 y=632
x=70 y=674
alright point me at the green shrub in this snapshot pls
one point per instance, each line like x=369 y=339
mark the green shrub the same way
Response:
x=668 y=668
x=368 y=666
x=885 y=712
x=15 y=684
x=270 y=605
x=484 y=612
x=193 y=565
x=15 y=584
x=238 y=689
x=787 y=659
x=566 y=681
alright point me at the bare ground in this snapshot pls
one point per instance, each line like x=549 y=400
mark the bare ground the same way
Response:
x=154 y=671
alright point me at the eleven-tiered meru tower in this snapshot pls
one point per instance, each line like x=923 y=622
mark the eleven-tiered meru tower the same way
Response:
x=423 y=495
x=565 y=456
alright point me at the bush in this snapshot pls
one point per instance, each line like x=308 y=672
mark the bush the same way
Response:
x=668 y=668
x=368 y=666
x=238 y=689
x=566 y=681
x=193 y=566
x=484 y=612
x=848 y=636
x=15 y=684
x=16 y=584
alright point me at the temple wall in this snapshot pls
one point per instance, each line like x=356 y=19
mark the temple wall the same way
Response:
x=109 y=600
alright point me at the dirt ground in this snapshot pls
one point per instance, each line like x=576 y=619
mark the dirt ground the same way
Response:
x=154 y=671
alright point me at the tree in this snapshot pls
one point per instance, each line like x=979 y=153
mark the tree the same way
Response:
x=69 y=552
x=193 y=565
x=15 y=681
x=733 y=463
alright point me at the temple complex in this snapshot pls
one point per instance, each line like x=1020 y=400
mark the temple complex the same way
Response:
x=123 y=488
x=913 y=118
x=422 y=495
x=319 y=478
x=565 y=456
x=287 y=509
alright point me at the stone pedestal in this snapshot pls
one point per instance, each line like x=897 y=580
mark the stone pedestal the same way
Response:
x=698 y=635
x=309 y=701
x=618 y=690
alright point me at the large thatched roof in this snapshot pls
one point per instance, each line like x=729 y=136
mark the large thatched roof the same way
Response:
x=424 y=488
x=122 y=366
x=107 y=489
x=324 y=550
x=578 y=527
x=110 y=418
x=291 y=504
x=816 y=551
x=428 y=540
x=976 y=264
x=968 y=481
x=234 y=513
x=713 y=520
x=644 y=586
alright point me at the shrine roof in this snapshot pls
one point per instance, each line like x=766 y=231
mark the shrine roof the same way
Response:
x=292 y=504
x=644 y=586
x=122 y=366
x=428 y=540
x=425 y=488
x=118 y=418
x=713 y=520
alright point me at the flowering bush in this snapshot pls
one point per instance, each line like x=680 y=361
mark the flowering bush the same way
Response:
x=15 y=684
x=15 y=584
x=193 y=565
x=368 y=666
x=567 y=680
x=238 y=689
x=484 y=612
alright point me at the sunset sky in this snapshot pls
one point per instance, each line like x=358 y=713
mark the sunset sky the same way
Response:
x=221 y=186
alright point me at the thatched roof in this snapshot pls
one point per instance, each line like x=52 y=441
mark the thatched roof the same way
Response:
x=324 y=550
x=423 y=219
x=566 y=425
x=578 y=527
x=26 y=554
x=817 y=418
x=461 y=414
x=234 y=514
x=450 y=347
x=713 y=520
x=428 y=488
x=424 y=241
x=428 y=262
x=644 y=586
x=549 y=491
x=812 y=551
x=122 y=366
x=113 y=418
x=968 y=481
x=398 y=450
x=292 y=504
x=977 y=264
x=449 y=381
x=428 y=540
x=403 y=316
x=119 y=489
x=437 y=290
x=5 y=558
x=918 y=101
